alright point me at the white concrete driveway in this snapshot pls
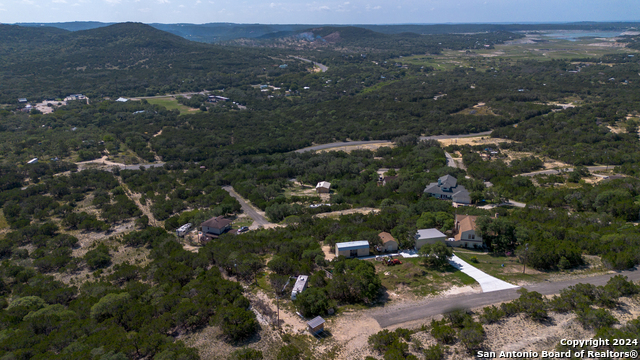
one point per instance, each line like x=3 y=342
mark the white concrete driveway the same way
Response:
x=486 y=281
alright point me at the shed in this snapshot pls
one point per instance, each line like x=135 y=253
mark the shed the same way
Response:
x=316 y=325
x=22 y=100
x=353 y=248
x=323 y=187
x=33 y=161
x=121 y=99
x=388 y=242
x=428 y=236
x=299 y=286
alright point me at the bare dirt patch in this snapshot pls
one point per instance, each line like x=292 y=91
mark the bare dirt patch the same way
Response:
x=363 y=210
x=350 y=148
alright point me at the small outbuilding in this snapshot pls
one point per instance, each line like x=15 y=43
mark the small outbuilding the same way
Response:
x=316 y=325
x=323 y=187
x=428 y=236
x=353 y=249
x=299 y=286
x=32 y=161
x=389 y=244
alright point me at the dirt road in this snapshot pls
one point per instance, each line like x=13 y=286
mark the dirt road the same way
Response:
x=439 y=306
x=555 y=172
x=248 y=209
x=323 y=68
x=83 y=165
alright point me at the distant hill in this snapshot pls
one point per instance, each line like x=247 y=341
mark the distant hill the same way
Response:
x=128 y=59
x=220 y=32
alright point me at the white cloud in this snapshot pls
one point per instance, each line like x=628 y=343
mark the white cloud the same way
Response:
x=144 y=10
x=113 y=2
x=59 y=1
x=377 y=7
x=272 y=5
x=324 y=8
x=28 y=2
x=198 y=2
x=163 y=1
x=181 y=6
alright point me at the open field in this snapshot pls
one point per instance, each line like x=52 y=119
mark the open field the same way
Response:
x=411 y=279
x=348 y=149
x=538 y=47
x=171 y=103
x=477 y=140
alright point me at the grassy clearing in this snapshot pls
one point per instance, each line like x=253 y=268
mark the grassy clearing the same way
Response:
x=245 y=221
x=172 y=104
x=3 y=221
x=420 y=280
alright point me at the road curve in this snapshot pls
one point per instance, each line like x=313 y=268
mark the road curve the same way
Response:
x=351 y=143
x=323 y=68
x=440 y=306
x=442 y=137
x=339 y=144
x=246 y=208
x=558 y=171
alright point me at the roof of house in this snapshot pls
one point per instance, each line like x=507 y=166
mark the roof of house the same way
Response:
x=217 y=222
x=386 y=237
x=430 y=234
x=315 y=322
x=300 y=284
x=465 y=223
x=448 y=181
x=390 y=178
x=352 y=245
x=324 y=184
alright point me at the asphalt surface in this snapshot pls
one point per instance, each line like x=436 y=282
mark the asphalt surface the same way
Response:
x=351 y=143
x=442 y=137
x=323 y=68
x=440 y=306
x=555 y=172
x=257 y=218
x=339 y=144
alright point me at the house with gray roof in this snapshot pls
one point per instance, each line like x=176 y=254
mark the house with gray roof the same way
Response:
x=447 y=188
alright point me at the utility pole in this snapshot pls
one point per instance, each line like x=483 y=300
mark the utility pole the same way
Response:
x=526 y=252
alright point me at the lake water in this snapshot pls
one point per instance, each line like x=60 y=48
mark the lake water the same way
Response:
x=575 y=35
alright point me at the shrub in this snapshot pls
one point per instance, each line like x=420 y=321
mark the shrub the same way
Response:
x=595 y=318
x=289 y=352
x=532 y=304
x=98 y=258
x=491 y=314
x=510 y=308
x=246 y=354
x=442 y=332
x=435 y=352
x=382 y=340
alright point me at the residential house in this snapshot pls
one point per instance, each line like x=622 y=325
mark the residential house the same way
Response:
x=22 y=100
x=387 y=179
x=447 y=188
x=353 y=249
x=389 y=244
x=323 y=187
x=465 y=232
x=299 y=286
x=428 y=236
x=215 y=227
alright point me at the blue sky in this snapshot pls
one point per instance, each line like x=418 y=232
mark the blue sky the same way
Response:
x=319 y=12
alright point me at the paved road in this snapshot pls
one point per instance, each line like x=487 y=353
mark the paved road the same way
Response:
x=442 y=137
x=555 y=172
x=339 y=144
x=248 y=209
x=487 y=282
x=440 y=306
x=350 y=143
x=323 y=68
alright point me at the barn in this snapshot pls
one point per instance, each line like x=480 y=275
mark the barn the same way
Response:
x=353 y=249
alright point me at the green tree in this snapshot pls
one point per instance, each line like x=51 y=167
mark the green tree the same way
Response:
x=435 y=256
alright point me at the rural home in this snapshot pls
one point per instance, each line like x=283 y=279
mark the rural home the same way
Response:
x=323 y=187
x=215 y=227
x=316 y=325
x=387 y=179
x=428 y=236
x=447 y=188
x=299 y=286
x=389 y=244
x=353 y=249
x=465 y=232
